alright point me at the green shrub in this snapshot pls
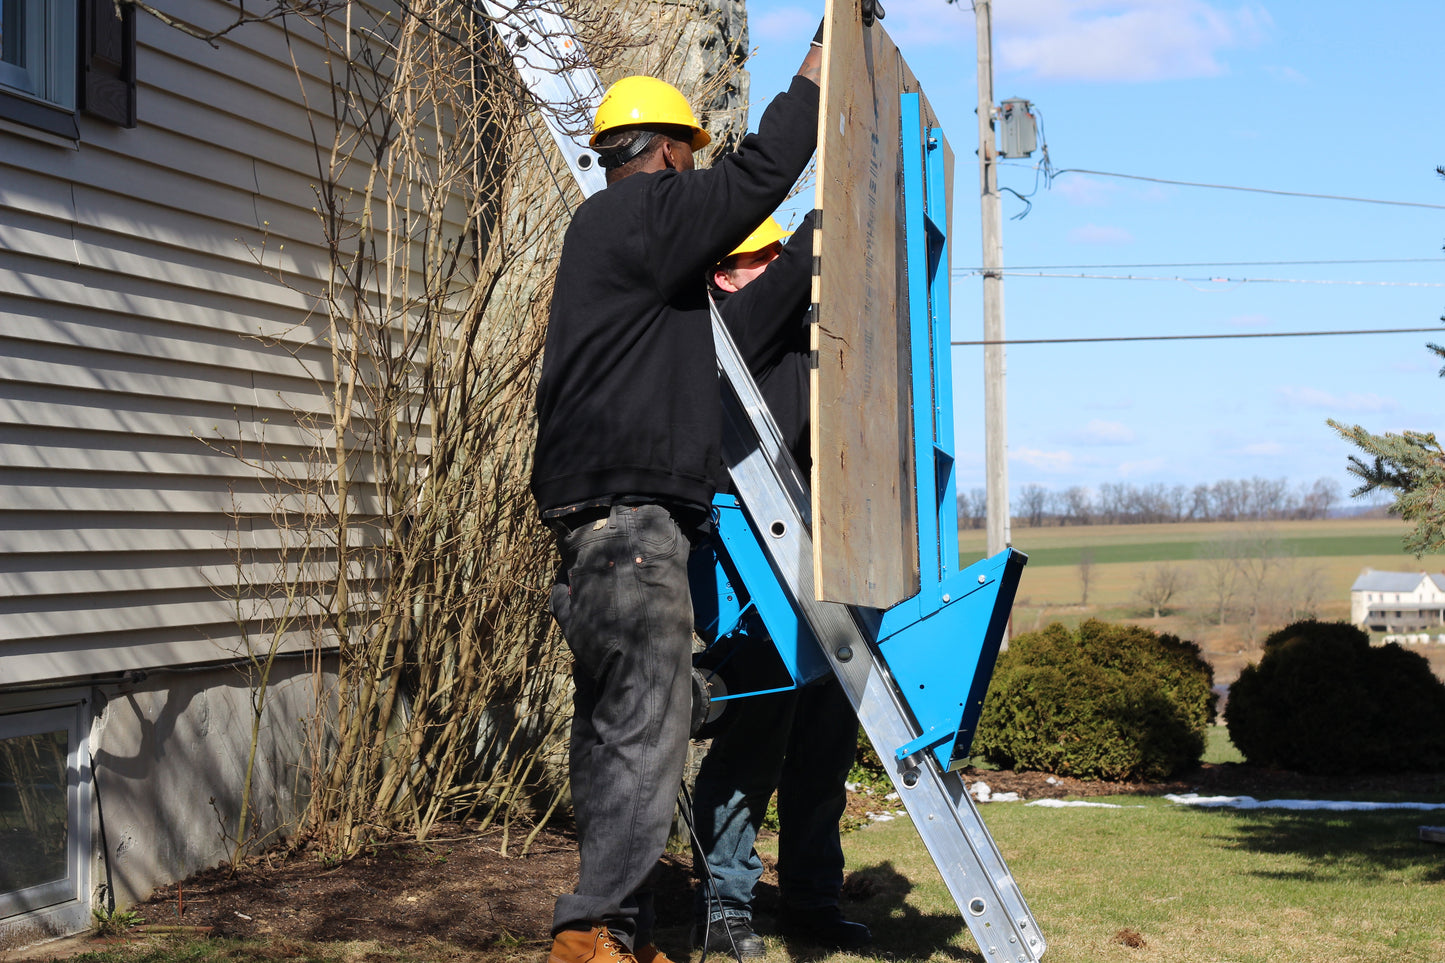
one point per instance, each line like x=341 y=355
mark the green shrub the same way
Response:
x=1108 y=701
x=1321 y=698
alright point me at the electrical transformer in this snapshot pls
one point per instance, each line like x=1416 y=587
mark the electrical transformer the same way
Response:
x=1018 y=129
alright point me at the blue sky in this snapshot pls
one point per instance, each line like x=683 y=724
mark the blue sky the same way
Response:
x=1318 y=97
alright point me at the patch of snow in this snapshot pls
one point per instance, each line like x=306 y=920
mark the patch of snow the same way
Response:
x=1249 y=802
x=1073 y=803
x=981 y=792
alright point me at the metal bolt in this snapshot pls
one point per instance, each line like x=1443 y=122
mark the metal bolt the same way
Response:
x=910 y=779
x=976 y=906
x=946 y=596
x=844 y=653
x=982 y=579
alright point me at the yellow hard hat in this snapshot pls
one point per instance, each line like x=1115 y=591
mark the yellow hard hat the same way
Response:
x=768 y=232
x=645 y=102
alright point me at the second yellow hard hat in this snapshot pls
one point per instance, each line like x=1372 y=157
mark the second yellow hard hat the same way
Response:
x=768 y=232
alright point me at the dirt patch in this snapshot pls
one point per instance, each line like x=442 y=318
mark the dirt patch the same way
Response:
x=464 y=889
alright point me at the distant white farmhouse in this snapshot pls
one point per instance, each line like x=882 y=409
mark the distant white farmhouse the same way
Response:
x=1397 y=601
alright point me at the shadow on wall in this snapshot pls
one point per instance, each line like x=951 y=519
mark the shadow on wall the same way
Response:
x=170 y=757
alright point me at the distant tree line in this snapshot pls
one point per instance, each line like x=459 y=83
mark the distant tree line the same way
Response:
x=1120 y=503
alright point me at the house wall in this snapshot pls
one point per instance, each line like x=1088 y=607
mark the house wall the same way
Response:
x=157 y=295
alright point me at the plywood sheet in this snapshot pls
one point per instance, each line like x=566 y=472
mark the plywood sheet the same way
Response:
x=865 y=529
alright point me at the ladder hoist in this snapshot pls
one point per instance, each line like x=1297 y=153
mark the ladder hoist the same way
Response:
x=915 y=673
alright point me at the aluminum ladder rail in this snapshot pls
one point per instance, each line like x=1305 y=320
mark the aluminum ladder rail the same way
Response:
x=775 y=497
x=769 y=485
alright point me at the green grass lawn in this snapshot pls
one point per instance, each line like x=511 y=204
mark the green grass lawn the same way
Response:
x=1195 y=886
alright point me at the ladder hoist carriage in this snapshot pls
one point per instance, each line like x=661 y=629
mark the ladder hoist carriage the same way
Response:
x=916 y=670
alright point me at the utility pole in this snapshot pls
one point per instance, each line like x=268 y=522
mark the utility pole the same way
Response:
x=995 y=415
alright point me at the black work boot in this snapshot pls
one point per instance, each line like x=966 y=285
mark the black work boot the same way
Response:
x=733 y=936
x=824 y=926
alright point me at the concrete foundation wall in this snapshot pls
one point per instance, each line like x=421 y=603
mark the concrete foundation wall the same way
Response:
x=170 y=767
x=164 y=765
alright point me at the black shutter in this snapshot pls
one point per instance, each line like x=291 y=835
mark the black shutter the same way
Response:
x=107 y=68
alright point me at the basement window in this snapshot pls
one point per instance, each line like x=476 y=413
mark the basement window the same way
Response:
x=45 y=818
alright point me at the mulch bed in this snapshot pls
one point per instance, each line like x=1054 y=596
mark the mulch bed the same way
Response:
x=460 y=887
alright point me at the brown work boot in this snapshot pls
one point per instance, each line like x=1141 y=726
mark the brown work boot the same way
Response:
x=596 y=945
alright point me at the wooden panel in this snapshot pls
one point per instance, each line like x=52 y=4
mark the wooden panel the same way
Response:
x=865 y=530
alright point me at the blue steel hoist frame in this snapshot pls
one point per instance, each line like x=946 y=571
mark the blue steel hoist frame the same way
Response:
x=940 y=645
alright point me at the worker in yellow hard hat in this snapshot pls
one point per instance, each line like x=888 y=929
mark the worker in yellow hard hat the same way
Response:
x=627 y=459
x=750 y=258
x=799 y=743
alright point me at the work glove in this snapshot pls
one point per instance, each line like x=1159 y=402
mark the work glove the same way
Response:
x=872 y=10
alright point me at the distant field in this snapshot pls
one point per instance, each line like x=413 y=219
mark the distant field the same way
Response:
x=1110 y=544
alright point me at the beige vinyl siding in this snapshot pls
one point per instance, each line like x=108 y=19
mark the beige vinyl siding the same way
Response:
x=139 y=289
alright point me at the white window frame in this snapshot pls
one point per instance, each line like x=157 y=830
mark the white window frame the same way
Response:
x=63 y=905
x=50 y=44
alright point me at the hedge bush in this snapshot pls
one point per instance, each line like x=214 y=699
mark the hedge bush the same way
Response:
x=1322 y=698
x=1106 y=701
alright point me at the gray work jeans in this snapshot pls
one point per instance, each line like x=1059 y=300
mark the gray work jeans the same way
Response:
x=623 y=603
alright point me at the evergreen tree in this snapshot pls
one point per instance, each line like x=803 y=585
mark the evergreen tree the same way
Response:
x=1412 y=465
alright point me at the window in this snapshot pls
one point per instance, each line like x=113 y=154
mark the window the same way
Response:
x=38 y=42
x=45 y=817
x=60 y=56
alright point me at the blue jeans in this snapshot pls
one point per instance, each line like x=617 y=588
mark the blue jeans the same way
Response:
x=801 y=744
x=623 y=603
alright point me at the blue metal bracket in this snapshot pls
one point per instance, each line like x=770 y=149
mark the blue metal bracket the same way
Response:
x=939 y=646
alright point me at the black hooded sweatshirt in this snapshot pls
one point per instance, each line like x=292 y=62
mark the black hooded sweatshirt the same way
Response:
x=768 y=320
x=628 y=401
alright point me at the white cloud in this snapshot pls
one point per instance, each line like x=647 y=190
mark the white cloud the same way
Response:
x=1121 y=40
x=1352 y=402
x=1100 y=432
x=1104 y=40
x=1142 y=467
x=1048 y=461
x=1100 y=234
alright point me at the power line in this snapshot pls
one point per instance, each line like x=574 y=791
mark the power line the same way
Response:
x=965 y=271
x=1217 y=280
x=1252 y=190
x=1200 y=337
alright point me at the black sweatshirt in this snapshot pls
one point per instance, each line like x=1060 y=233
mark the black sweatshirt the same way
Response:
x=768 y=320
x=628 y=400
